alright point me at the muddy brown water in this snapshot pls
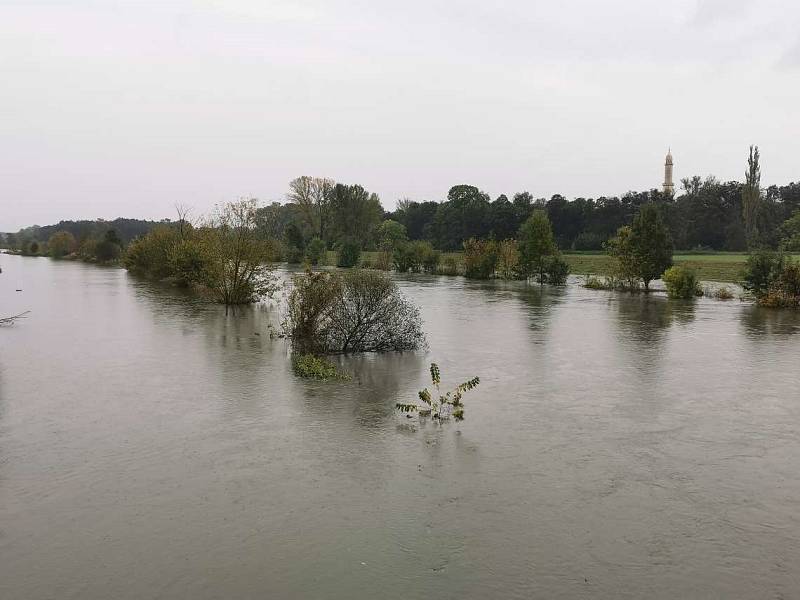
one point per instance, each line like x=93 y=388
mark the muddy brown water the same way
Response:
x=617 y=447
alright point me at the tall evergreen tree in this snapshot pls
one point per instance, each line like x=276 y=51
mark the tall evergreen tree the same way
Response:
x=751 y=198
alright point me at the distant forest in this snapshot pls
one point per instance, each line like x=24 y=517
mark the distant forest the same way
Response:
x=125 y=229
x=705 y=215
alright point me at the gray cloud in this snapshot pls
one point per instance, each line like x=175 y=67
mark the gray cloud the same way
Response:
x=120 y=107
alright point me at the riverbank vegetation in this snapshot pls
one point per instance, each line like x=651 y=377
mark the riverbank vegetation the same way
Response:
x=774 y=279
x=224 y=257
x=624 y=242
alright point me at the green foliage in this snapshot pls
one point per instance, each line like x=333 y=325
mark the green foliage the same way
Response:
x=293 y=255
x=536 y=245
x=31 y=248
x=723 y=293
x=355 y=215
x=751 y=199
x=110 y=248
x=785 y=291
x=61 y=243
x=763 y=269
x=681 y=283
x=315 y=367
x=349 y=253
x=383 y=261
x=443 y=406
x=187 y=261
x=790 y=233
x=651 y=244
x=351 y=311
x=153 y=253
x=508 y=259
x=416 y=256
x=236 y=271
x=643 y=251
x=774 y=280
x=556 y=270
x=391 y=235
x=587 y=241
x=480 y=258
x=430 y=257
x=449 y=266
x=315 y=250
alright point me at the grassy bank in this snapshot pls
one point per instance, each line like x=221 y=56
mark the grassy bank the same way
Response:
x=711 y=266
x=716 y=266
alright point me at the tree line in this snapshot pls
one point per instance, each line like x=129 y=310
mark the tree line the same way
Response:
x=320 y=214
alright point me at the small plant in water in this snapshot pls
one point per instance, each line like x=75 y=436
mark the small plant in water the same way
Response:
x=445 y=405
x=314 y=367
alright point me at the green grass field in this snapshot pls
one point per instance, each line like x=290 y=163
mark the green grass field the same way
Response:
x=714 y=266
x=717 y=266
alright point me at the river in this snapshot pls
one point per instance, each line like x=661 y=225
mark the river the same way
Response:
x=617 y=447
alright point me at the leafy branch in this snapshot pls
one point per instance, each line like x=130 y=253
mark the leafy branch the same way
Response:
x=444 y=405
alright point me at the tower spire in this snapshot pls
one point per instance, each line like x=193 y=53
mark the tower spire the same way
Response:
x=669 y=186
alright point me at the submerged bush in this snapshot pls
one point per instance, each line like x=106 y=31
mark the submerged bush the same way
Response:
x=681 y=283
x=61 y=243
x=315 y=250
x=595 y=283
x=315 y=367
x=762 y=271
x=236 y=271
x=293 y=255
x=785 y=290
x=556 y=270
x=383 y=262
x=508 y=259
x=723 y=293
x=354 y=311
x=449 y=266
x=415 y=256
x=153 y=253
x=445 y=405
x=480 y=258
x=349 y=254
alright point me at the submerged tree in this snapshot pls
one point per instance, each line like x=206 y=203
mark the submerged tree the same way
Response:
x=443 y=406
x=624 y=269
x=353 y=311
x=651 y=244
x=236 y=269
x=536 y=245
x=61 y=243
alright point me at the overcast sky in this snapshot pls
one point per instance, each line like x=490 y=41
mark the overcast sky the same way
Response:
x=122 y=108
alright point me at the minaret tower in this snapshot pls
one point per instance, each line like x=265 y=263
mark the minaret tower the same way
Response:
x=669 y=187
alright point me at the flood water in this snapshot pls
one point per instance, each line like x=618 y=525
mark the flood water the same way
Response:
x=617 y=447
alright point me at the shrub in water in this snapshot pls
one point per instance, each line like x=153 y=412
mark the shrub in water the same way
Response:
x=314 y=367
x=556 y=270
x=349 y=254
x=354 y=311
x=681 y=282
x=480 y=258
x=445 y=405
x=762 y=270
x=449 y=266
x=508 y=259
x=315 y=251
